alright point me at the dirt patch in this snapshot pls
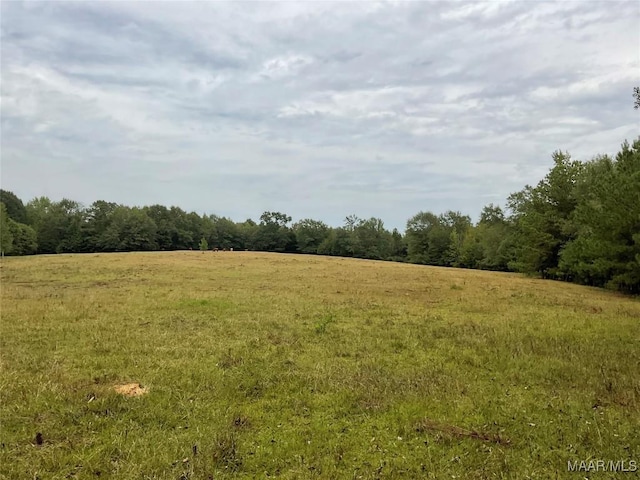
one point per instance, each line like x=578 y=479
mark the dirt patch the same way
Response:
x=427 y=425
x=131 y=389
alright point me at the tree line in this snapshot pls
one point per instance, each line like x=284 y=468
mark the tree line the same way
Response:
x=580 y=223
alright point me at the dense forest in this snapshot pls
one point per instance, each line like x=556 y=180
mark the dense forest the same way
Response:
x=580 y=223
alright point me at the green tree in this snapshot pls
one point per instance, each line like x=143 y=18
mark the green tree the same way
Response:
x=397 y=247
x=450 y=234
x=352 y=245
x=204 y=245
x=429 y=237
x=6 y=236
x=167 y=235
x=130 y=229
x=454 y=250
x=227 y=234
x=495 y=235
x=310 y=234
x=350 y=222
x=15 y=208
x=59 y=225
x=371 y=240
x=439 y=238
x=418 y=233
x=38 y=217
x=274 y=235
x=182 y=234
x=543 y=218
x=24 y=239
x=492 y=214
x=456 y=220
x=98 y=219
x=195 y=225
x=247 y=232
x=606 y=249
x=472 y=250
x=337 y=243
x=69 y=218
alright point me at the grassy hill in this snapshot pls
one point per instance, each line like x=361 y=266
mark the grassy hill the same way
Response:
x=260 y=365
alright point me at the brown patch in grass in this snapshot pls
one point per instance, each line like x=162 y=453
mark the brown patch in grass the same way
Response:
x=225 y=452
x=230 y=359
x=428 y=425
x=131 y=389
x=241 y=422
x=371 y=403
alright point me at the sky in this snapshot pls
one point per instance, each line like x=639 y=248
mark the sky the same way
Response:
x=315 y=109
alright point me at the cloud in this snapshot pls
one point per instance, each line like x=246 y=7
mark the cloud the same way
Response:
x=284 y=66
x=317 y=109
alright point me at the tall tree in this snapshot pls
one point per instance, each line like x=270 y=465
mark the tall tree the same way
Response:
x=370 y=239
x=273 y=234
x=472 y=250
x=15 y=208
x=38 y=211
x=227 y=234
x=310 y=234
x=454 y=250
x=419 y=228
x=429 y=237
x=58 y=225
x=337 y=243
x=247 y=232
x=494 y=235
x=98 y=219
x=24 y=239
x=69 y=217
x=398 y=247
x=454 y=227
x=182 y=234
x=167 y=236
x=130 y=229
x=543 y=218
x=6 y=236
x=606 y=250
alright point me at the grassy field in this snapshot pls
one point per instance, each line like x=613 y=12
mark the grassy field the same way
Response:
x=264 y=365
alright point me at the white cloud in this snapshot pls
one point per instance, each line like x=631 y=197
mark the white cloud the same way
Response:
x=469 y=11
x=283 y=66
x=311 y=107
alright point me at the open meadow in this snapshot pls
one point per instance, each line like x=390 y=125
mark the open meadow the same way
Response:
x=256 y=365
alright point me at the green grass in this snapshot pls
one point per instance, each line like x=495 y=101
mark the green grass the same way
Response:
x=267 y=365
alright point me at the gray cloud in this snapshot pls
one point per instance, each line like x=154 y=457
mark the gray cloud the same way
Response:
x=317 y=109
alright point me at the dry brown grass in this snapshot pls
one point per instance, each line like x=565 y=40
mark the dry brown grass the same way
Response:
x=131 y=390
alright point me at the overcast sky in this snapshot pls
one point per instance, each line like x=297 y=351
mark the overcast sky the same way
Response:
x=314 y=109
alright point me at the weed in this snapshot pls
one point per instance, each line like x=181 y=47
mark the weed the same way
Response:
x=321 y=326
